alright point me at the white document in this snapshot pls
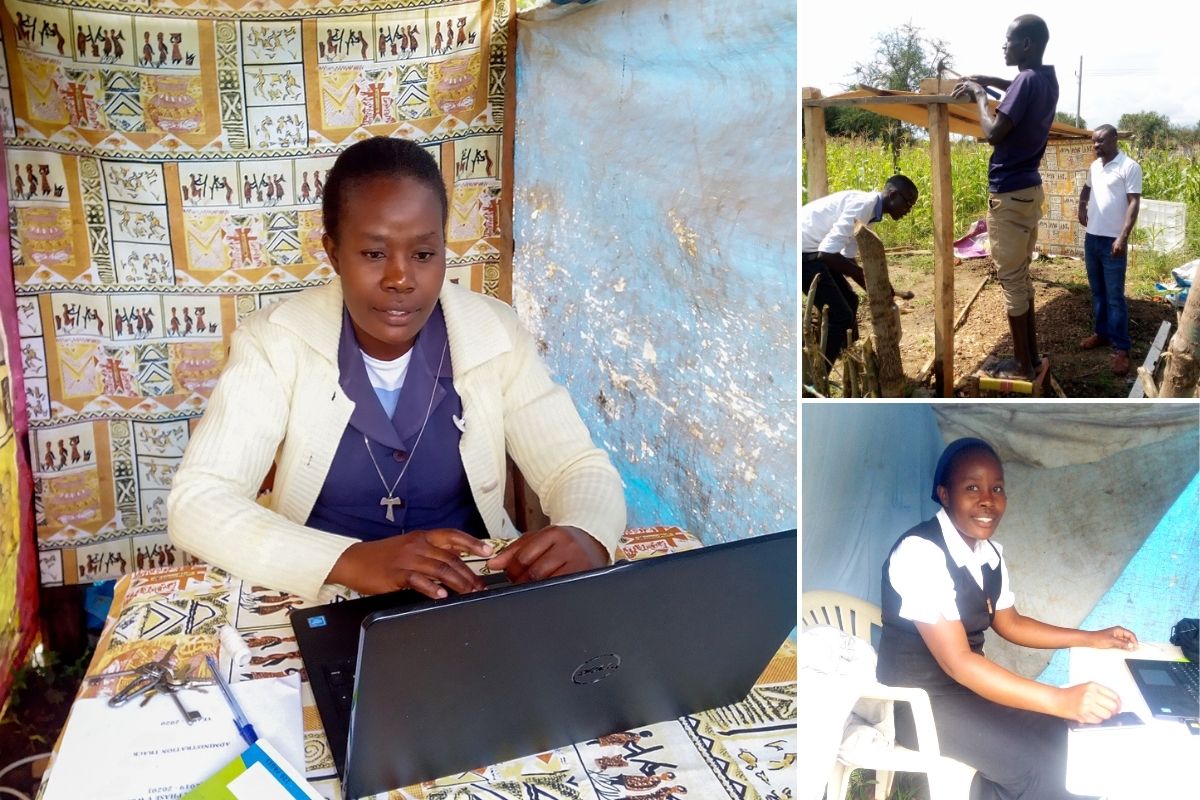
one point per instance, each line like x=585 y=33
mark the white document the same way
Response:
x=151 y=753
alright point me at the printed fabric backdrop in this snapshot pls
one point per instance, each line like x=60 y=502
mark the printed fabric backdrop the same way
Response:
x=165 y=172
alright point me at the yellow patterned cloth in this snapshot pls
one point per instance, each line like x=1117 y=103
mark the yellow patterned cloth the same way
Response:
x=745 y=751
x=18 y=578
x=165 y=172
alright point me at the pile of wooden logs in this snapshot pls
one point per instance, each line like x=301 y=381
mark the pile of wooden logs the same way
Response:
x=1181 y=373
x=860 y=366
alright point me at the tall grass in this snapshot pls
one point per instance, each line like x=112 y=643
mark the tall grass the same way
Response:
x=1169 y=175
x=861 y=164
x=1166 y=175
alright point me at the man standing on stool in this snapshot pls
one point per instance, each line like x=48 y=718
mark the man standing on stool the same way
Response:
x=1108 y=208
x=1018 y=133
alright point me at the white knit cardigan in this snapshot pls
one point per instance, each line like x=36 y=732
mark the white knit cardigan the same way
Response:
x=279 y=400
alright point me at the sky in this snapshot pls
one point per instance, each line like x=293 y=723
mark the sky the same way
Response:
x=1134 y=58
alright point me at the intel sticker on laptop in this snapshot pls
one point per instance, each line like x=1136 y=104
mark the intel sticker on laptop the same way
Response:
x=317 y=621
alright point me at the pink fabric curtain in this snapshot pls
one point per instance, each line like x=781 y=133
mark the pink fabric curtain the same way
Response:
x=18 y=549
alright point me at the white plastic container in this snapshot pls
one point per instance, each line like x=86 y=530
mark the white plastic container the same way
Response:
x=1163 y=223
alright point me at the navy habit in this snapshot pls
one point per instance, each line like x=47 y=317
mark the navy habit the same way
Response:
x=434 y=488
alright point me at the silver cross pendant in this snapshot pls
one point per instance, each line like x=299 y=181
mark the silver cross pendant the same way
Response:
x=391 y=502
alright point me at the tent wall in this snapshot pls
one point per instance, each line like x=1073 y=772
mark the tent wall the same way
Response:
x=865 y=479
x=1165 y=569
x=1070 y=531
x=654 y=224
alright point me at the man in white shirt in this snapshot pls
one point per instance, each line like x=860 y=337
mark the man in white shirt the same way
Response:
x=1108 y=208
x=828 y=249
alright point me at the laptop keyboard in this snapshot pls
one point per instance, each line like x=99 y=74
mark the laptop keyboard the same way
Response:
x=339 y=676
x=1187 y=674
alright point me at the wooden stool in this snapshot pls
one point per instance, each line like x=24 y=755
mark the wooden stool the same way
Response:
x=984 y=382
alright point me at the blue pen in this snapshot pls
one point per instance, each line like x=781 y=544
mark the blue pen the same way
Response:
x=239 y=717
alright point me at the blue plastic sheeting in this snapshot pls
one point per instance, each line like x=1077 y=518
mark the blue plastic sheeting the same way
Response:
x=867 y=471
x=655 y=232
x=1159 y=586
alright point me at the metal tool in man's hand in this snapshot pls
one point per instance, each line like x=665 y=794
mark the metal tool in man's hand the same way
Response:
x=943 y=69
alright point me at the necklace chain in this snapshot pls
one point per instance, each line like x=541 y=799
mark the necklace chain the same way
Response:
x=391 y=499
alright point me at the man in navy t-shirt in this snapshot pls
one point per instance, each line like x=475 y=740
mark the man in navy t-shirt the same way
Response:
x=1018 y=132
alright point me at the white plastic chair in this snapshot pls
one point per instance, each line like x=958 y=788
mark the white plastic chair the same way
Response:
x=844 y=612
x=948 y=779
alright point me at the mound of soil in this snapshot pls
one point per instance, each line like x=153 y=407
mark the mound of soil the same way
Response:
x=1063 y=311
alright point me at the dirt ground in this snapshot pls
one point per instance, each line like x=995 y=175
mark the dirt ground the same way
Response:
x=1062 y=304
x=40 y=703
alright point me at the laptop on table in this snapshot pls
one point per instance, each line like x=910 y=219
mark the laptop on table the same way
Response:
x=1170 y=688
x=411 y=689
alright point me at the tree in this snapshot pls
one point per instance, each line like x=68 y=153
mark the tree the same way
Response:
x=1069 y=119
x=903 y=58
x=851 y=121
x=1149 y=128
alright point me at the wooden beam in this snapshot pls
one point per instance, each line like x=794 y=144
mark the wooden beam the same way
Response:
x=943 y=249
x=814 y=146
x=1151 y=363
x=886 y=100
x=885 y=317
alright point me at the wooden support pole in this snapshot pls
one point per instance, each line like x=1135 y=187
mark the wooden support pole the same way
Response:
x=1182 y=373
x=1150 y=365
x=885 y=317
x=814 y=146
x=943 y=249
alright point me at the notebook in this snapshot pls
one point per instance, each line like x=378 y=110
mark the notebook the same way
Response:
x=411 y=689
x=1169 y=687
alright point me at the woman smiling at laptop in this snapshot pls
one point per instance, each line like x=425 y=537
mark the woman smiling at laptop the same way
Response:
x=387 y=400
x=944 y=583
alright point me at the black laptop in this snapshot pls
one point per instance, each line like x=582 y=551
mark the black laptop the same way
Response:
x=1170 y=688
x=411 y=689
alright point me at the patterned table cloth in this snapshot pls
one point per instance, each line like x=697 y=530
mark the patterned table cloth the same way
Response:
x=743 y=751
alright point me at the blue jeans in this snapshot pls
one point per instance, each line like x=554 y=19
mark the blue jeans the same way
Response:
x=1106 y=276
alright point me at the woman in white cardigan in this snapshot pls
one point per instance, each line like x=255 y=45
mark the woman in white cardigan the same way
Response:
x=344 y=387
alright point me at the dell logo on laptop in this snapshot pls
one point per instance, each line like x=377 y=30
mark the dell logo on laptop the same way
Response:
x=596 y=669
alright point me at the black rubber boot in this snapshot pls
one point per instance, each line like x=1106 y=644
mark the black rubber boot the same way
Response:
x=1018 y=366
x=1035 y=358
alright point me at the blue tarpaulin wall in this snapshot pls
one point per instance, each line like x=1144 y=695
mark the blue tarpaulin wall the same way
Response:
x=1165 y=569
x=655 y=228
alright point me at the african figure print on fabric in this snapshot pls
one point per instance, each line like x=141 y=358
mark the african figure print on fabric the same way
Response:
x=745 y=751
x=165 y=173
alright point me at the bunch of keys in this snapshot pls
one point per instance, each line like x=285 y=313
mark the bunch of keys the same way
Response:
x=151 y=678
